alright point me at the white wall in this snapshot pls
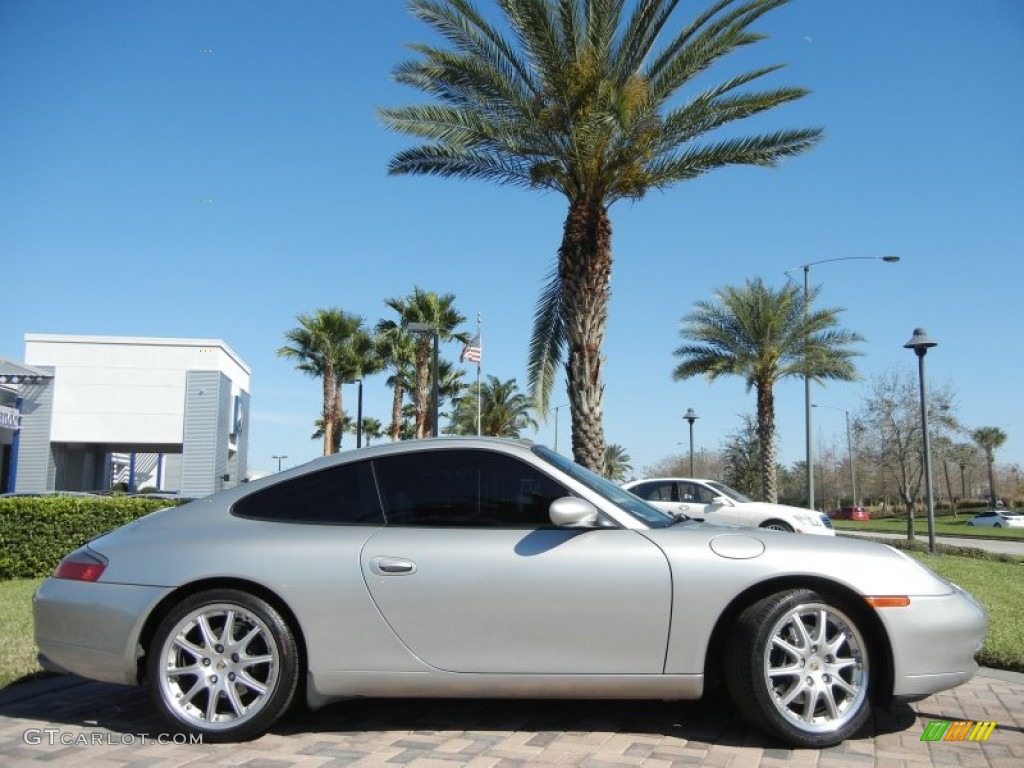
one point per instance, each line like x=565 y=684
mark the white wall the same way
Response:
x=110 y=389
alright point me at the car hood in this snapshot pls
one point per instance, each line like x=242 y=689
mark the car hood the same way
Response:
x=755 y=554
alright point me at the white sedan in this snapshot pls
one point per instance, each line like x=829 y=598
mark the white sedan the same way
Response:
x=997 y=518
x=716 y=502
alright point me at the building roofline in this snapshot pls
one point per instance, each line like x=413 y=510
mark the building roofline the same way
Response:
x=60 y=338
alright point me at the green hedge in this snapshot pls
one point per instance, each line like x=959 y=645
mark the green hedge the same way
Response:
x=36 y=533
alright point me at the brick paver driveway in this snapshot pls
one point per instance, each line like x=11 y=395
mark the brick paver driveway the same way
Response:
x=68 y=721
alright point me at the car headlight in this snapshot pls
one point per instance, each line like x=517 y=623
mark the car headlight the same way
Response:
x=811 y=520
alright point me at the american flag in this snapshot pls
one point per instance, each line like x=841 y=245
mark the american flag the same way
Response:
x=471 y=351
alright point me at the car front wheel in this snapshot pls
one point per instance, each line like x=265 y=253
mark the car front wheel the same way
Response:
x=798 y=666
x=223 y=664
x=777 y=525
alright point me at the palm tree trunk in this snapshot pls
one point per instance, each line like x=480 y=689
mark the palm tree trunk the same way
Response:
x=766 y=436
x=396 y=412
x=328 y=416
x=584 y=263
x=990 y=459
x=422 y=395
x=339 y=413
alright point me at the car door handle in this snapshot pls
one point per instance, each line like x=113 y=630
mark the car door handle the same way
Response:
x=389 y=566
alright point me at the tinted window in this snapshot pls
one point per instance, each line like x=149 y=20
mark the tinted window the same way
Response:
x=695 y=493
x=464 y=488
x=340 y=495
x=657 y=491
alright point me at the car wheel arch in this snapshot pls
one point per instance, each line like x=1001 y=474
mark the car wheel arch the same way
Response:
x=878 y=640
x=256 y=589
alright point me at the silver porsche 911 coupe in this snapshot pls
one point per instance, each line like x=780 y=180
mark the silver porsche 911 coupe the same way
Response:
x=479 y=567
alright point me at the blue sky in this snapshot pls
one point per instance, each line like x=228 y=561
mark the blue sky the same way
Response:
x=121 y=117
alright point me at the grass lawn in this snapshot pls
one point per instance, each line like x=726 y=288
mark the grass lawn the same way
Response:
x=944 y=526
x=997 y=585
x=1000 y=588
x=18 y=650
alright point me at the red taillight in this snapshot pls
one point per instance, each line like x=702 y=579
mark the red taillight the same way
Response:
x=80 y=566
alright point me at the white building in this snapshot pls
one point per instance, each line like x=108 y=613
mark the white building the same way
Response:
x=168 y=413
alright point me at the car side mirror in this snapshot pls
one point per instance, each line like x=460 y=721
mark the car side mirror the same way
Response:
x=720 y=501
x=571 y=512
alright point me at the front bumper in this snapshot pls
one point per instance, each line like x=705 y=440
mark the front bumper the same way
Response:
x=92 y=629
x=934 y=640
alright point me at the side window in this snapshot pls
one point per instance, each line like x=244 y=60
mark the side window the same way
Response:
x=659 y=491
x=339 y=495
x=703 y=494
x=467 y=488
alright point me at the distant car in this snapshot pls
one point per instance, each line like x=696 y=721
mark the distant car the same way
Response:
x=997 y=518
x=857 y=514
x=716 y=502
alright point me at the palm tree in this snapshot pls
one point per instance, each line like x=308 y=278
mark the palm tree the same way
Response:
x=616 y=463
x=504 y=410
x=577 y=97
x=764 y=336
x=988 y=439
x=322 y=347
x=438 y=311
x=372 y=429
x=396 y=349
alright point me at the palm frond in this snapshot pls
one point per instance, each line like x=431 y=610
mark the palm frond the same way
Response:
x=547 y=343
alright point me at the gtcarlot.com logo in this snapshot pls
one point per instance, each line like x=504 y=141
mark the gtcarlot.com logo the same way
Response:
x=960 y=730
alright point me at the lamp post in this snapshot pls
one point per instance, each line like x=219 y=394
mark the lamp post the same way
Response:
x=279 y=460
x=920 y=343
x=849 y=451
x=428 y=328
x=556 y=409
x=691 y=417
x=359 y=412
x=807 y=379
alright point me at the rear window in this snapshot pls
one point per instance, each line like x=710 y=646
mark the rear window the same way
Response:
x=341 y=495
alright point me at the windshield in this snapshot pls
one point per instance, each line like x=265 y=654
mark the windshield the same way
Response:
x=732 y=493
x=621 y=498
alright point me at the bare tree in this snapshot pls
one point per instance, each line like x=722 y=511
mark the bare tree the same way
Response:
x=893 y=439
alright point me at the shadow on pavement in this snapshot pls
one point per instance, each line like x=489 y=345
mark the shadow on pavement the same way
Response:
x=123 y=709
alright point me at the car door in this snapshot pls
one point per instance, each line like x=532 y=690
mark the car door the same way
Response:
x=698 y=498
x=471 y=577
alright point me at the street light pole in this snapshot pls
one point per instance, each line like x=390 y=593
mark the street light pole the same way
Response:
x=920 y=343
x=279 y=460
x=359 y=413
x=807 y=378
x=556 y=409
x=691 y=417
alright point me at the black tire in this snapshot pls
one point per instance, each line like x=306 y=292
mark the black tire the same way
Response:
x=998 y=525
x=777 y=525
x=223 y=690
x=970 y=524
x=795 y=705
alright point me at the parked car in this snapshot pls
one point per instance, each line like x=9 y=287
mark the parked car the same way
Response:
x=997 y=518
x=857 y=514
x=488 y=568
x=716 y=502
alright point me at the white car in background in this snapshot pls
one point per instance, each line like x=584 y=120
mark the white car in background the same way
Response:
x=716 y=502
x=997 y=518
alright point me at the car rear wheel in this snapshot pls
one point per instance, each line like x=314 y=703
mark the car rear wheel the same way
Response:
x=798 y=666
x=224 y=664
x=777 y=525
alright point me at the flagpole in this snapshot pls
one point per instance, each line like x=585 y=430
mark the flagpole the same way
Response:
x=480 y=344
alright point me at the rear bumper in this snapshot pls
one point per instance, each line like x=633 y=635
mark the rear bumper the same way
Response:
x=933 y=641
x=92 y=629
